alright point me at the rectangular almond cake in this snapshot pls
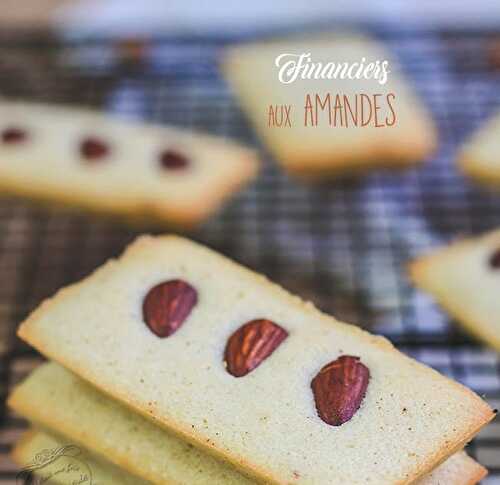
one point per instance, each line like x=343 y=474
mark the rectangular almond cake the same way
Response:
x=322 y=110
x=239 y=367
x=57 y=400
x=460 y=469
x=109 y=165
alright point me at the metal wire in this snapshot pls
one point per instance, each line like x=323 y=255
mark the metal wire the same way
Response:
x=342 y=245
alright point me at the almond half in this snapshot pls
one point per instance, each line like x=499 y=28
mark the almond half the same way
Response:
x=339 y=388
x=251 y=344
x=167 y=305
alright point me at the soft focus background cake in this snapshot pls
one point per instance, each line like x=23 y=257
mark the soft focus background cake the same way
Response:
x=141 y=171
x=394 y=130
x=479 y=157
x=465 y=279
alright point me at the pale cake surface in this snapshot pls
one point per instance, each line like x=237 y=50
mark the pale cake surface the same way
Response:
x=461 y=279
x=410 y=420
x=130 y=180
x=57 y=400
x=320 y=150
x=480 y=155
x=98 y=472
x=459 y=469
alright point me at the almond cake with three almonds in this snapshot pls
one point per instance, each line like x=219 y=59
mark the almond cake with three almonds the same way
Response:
x=137 y=170
x=237 y=366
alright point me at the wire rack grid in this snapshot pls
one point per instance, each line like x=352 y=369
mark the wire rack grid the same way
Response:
x=343 y=245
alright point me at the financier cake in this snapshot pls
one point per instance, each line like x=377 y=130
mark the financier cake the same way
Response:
x=465 y=279
x=137 y=170
x=56 y=400
x=480 y=155
x=460 y=469
x=331 y=104
x=242 y=369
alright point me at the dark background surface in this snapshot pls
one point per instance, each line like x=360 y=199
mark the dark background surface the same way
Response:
x=342 y=245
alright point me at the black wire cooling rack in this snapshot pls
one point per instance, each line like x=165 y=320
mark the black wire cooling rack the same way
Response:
x=343 y=245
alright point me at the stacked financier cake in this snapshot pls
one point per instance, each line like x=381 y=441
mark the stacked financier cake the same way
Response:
x=176 y=365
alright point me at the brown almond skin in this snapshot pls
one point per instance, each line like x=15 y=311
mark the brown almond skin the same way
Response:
x=251 y=344
x=167 y=305
x=13 y=135
x=92 y=148
x=339 y=388
x=495 y=259
x=173 y=160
